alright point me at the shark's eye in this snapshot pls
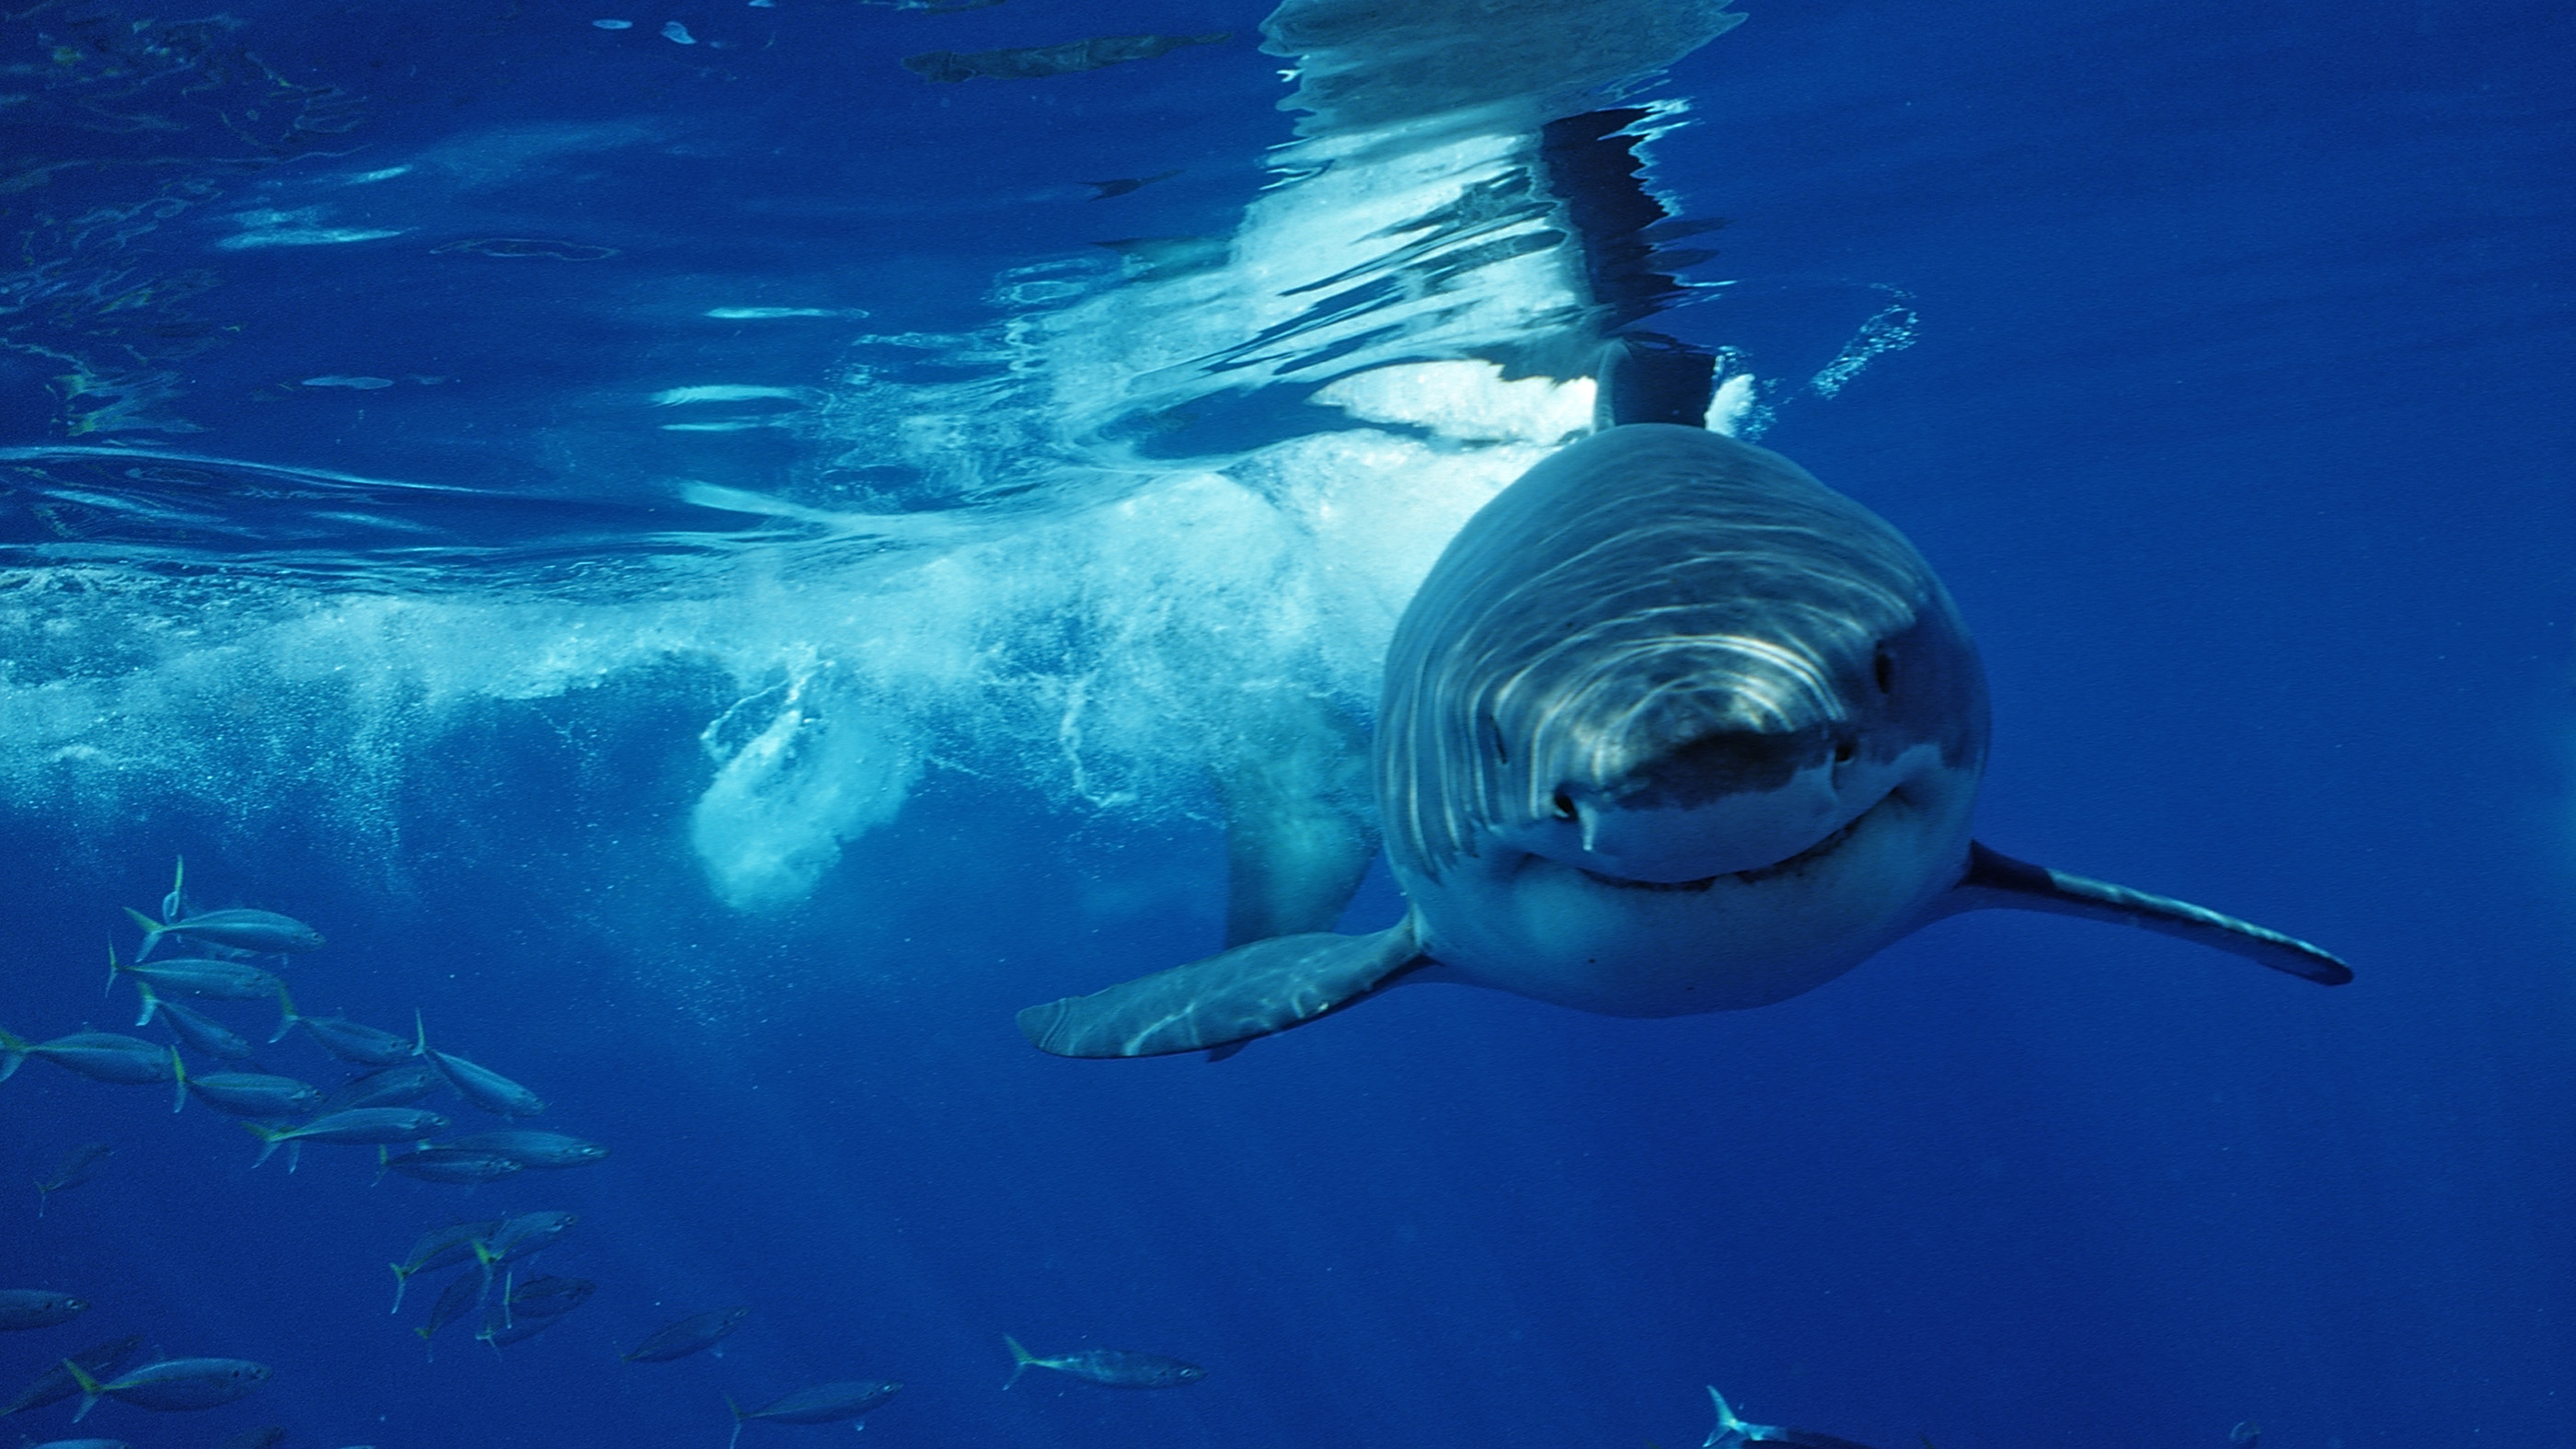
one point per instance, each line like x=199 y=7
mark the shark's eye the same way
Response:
x=1563 y=804
x=1844 y=751
x=1883 y=669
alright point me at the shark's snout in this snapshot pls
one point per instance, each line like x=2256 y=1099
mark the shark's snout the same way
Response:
x=1725 y=803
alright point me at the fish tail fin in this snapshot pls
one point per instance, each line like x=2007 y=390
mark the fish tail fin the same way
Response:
x=402 y=1283
x=13 y=1053
x=419 y=1034
x=149 y=998
x=90 y=1389
x=115 y=970
x=286 y=1014
x=176 y=907
x=1021 y=1358
x=42 y=1193
x=484 y=1260
x=152 y=930
x=738 y=1417
x=384 y=1161
x=269 y=1137
x=178 y=1081
x=1726 y=1420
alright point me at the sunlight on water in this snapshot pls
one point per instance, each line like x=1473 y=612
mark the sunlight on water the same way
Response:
x=1159 y=495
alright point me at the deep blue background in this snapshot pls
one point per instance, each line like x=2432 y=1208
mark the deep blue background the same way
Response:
x=2237 y=424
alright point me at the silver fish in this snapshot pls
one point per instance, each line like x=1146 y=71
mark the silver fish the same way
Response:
x=251 y=1094
x=76 y=1168
x=238 y=927
x=440 y=1248
x=399 y=1085
x=821 y=1404
x=1118 y=1368
x=448 y=1164
x=38 y=1308
x=175 y=1384
x=348 y=1040
x=362 y=1126
x=532 y=1149
x=690 y=1335
x=479 y=1085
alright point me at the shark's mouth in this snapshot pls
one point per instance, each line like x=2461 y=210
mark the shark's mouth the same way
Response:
x=1801 y=860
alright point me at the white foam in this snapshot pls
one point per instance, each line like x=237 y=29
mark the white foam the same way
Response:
x=1081 y=620
x=802 y=768
x=1467 y=400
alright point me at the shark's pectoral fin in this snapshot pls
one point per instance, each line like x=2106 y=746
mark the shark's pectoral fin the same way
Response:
x=1997 y=881
x=1234 y=996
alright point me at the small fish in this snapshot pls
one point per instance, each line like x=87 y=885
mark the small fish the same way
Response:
x=531 y=1149
x=1118 y=1368
x=440 y=1248
x=500 y=1329
x=219 y=980
x=348 y=1040
x=101 y=1056
x=525 y=246
x=197 y=1031
x=173 y=1384
x=250 y=1094
x=239 y=927
x=1125 y=184
x=38 y=1308
x=690 y=1335
x=399 y=1085
x=267 y=1437
x=518 y=1237
x=77 y=1167
x=950 y=66
x=821 y=1404
x=448 y=1164
x=363 y=1126
x=481 y=1086
x=57 y=1384
x=1731 y=1432
x=461 y=1296
x=548 y=1297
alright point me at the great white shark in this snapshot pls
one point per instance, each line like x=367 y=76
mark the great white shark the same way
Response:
x=1671 y=727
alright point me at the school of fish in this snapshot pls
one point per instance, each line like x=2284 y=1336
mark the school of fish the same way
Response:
x=239 y=954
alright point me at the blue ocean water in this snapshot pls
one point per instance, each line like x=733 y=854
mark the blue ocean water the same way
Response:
x=711 y=566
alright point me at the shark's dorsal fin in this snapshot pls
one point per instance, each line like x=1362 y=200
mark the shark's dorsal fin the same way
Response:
x=1995 y=881
x=1646 y=377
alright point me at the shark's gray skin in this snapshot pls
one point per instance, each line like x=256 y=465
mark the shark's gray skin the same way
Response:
x=1671 y=727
